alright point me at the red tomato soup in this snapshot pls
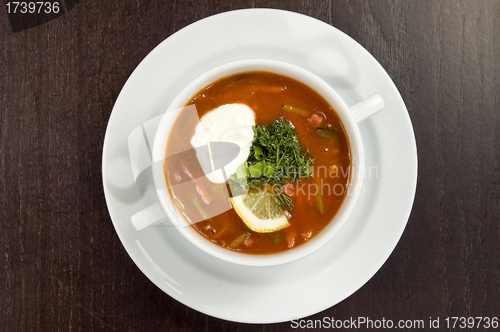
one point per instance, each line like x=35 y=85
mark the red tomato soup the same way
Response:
x=316 y=200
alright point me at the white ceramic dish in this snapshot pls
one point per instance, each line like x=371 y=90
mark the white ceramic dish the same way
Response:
x=350 y=116
x=339 y=268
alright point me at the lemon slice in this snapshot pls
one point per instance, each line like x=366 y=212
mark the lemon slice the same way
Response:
x=259 y=211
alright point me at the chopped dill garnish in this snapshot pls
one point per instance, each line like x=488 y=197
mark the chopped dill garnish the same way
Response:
x=275 y=158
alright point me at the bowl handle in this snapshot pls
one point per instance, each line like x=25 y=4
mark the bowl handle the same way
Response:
x=140 y=142
x=149 y=216
x=367 y=107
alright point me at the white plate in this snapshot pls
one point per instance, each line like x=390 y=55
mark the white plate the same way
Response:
x=342 y=266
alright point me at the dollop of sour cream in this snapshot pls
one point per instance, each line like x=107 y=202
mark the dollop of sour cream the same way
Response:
x=227 y=123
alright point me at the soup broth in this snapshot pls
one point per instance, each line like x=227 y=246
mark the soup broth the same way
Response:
x=316 y=200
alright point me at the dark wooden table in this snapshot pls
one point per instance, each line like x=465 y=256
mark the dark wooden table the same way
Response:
x=62 y=266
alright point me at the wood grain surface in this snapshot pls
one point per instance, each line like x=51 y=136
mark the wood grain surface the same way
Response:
x=62 y=266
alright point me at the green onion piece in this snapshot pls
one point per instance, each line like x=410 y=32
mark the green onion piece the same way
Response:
x=309 y=170
x=257 y=169
x=257 y=151
x=178 y=204
x=204 y=214
x=295 y=110
x=276 y=237
x=237 y=188
x=327 y=133
x=319 y=203
x=239 y=240
x=318 y=200
x=241 y=171
x=268 y=170
x=238 y=180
